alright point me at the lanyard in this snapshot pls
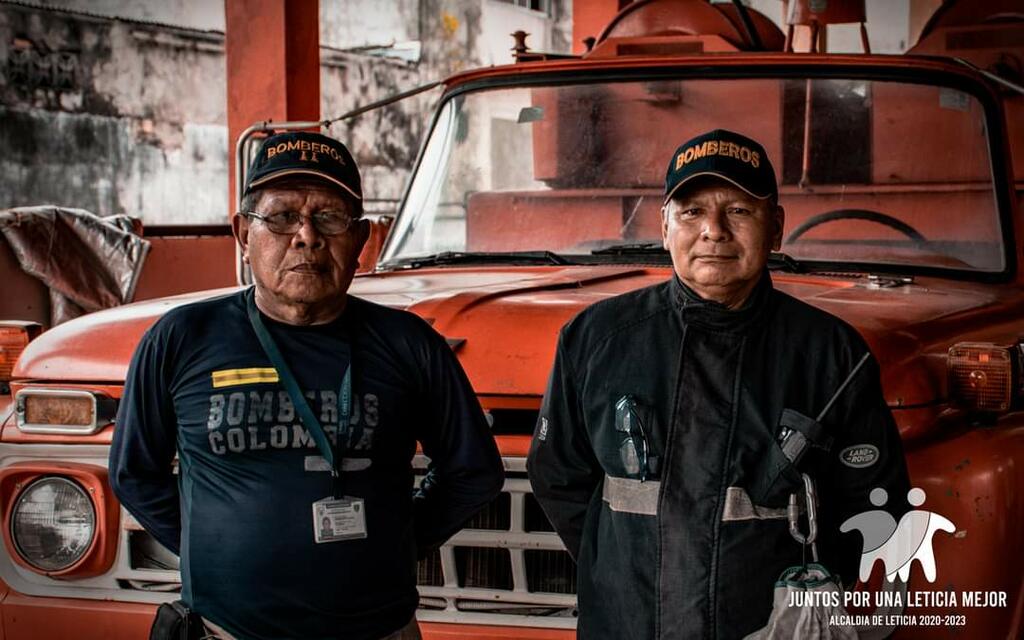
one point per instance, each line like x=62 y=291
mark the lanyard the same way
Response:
x=299 y=400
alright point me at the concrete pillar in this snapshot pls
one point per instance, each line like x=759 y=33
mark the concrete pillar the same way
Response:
x=273 y=66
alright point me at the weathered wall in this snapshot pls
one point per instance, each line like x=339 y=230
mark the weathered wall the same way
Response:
x=384 y=142
x=453 y=36
x=191 y=14
x=111 y=116
x=358 y=68
x=127 y=116
x=348 y=24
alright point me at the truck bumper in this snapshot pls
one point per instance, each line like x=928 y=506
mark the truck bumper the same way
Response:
x=40 y=618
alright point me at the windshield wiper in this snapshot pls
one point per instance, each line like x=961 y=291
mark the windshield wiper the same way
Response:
x=778 y=261
x=631 y=249
x=478 y=257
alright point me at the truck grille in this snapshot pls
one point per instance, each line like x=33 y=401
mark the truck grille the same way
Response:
x=507 y=563
x=533 y=517
x=428 y=572
x=550 y=571
x=484 y=568
x=495 y=516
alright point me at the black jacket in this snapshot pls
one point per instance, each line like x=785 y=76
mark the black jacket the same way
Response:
x=689 y=553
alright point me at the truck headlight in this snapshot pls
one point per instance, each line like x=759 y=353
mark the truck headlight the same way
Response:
x=53 y=523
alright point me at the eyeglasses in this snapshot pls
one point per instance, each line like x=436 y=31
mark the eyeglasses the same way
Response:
x=328 y=223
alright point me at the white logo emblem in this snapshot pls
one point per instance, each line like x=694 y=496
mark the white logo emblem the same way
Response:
x=898 y=545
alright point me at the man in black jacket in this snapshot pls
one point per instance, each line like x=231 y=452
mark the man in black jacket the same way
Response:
x=295 y=409
x=679 y=418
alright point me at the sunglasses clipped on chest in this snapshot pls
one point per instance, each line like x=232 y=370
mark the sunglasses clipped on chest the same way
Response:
x=634 y=448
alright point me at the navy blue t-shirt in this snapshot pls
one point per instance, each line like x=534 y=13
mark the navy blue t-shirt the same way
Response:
x=240 y=512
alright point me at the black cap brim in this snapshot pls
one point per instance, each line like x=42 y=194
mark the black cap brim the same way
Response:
x=262 y=180
x=716 y=174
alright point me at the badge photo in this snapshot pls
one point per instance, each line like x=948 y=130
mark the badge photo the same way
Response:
x=336 y=519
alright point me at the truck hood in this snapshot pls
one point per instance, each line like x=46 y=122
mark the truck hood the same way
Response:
x=503 y=322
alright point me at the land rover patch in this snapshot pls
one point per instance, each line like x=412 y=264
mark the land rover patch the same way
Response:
x=859 y=456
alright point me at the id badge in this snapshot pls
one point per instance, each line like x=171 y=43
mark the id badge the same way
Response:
x=337 y=519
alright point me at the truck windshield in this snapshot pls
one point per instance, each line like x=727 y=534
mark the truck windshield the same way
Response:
x=873 y=172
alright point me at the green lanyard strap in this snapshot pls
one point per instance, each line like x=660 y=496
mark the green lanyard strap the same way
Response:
x=299 y=400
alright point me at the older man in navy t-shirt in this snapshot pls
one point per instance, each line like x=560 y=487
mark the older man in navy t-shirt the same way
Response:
x=294 y=410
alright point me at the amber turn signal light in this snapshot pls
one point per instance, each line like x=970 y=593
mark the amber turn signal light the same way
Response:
x=66 y=411
x=72 y=411
x=981 y=376
x=14 y=337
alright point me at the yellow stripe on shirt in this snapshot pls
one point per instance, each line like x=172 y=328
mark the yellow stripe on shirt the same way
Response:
x=235 y=377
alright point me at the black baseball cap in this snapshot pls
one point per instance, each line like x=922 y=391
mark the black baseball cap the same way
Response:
x=304 y=153
x=724 y=154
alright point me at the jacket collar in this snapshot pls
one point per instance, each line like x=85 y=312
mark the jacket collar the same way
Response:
x=716 y=316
